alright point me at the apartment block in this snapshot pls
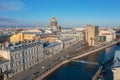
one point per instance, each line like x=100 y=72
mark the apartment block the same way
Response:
x=22 y=56
x=92 y=35
x=4 y=68
x=52 y=48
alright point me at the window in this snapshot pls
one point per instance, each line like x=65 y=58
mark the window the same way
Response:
x=28 y=59
x=11 y=65
x=33 y=50
x=0 y=70
x=16 y=70
x=20 y=54
x=6 y=67
x=16 y=55
x=11 y=57
x=25 y=60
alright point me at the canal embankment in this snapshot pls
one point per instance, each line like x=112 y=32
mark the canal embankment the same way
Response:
x=52 y=69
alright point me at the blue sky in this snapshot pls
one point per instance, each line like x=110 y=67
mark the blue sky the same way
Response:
x=69 y=13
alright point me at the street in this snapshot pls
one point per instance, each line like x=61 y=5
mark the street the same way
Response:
x=44 y=65
x=49 y=62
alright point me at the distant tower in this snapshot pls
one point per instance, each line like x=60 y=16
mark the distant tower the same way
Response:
x=53 y=22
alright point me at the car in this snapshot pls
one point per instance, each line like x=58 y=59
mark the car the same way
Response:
x=43 y=67
x=82 y=61
x=35 y=73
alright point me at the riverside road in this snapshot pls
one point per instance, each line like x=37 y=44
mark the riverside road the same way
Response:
x=47 y=65
x=86 y=67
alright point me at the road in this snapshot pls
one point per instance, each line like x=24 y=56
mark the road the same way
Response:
x=44 y=65
x=49 y=62
x=79 y=55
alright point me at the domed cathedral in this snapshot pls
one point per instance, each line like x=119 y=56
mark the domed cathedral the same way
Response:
x=54 y=26
x=53 y=22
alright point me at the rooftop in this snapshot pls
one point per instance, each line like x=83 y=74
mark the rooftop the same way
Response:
x=64 y=39
x=2 y=60
x=2 y=35
x=19 y=45
x=53 y=44
x=30 y=32
x=116 y=59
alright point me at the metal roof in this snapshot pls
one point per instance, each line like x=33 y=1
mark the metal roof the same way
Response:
x=53 y=44
x=3 y=60
x=2 y=35
x=116 y=59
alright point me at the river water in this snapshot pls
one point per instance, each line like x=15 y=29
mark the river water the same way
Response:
x=85 y=71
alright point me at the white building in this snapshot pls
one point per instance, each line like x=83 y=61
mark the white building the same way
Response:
x=108 y=34
x=76 y=35
x=4 y=68
x=116 y=66
x=52 y=49
x=34 y=30
x=22 y=56
x=66 y=42
x=79 y=29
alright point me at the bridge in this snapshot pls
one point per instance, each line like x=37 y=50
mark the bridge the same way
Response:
x=75 y=57
x=86 y=62
x=43 y=69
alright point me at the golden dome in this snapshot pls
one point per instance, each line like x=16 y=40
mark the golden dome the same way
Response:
x=53 y=19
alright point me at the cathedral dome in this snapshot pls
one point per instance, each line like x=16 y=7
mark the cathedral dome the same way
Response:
x=53 y=22
x=53 y=19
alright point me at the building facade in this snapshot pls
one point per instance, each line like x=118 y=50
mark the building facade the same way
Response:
x=4 y=68
x=108 y=34
x=92 y=35
x=76 y=35
x=23 y=56
x=66 y=42
x=52 y=49
x=22 y=36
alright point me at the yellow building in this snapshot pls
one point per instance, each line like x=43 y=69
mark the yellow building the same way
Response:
x=22 y=36
x=92 y=34
x=17 y=37
x=50 y=38
x=29 y=35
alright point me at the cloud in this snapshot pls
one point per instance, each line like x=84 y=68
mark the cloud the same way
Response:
x=10 y=21
x=11 y=5
x=5 y=19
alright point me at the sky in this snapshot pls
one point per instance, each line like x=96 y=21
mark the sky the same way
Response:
x=69 y=13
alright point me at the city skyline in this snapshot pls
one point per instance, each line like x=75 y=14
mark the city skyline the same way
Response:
x=69 y=13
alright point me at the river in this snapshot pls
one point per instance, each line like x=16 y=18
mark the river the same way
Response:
x=85 y=71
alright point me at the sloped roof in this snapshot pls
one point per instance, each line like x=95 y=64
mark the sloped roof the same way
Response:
x=116 y=59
